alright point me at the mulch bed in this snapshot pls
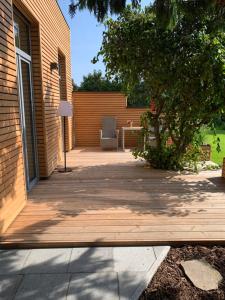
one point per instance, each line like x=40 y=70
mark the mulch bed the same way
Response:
x=171 y=283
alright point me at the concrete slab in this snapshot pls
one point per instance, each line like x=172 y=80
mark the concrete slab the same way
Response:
x=137 y=259
x=79 y=273
x=95 y=286
x=161 y=250
x=129 y=282
x=12 y=261
x=9 y=285
x=146 y=261
x=48 y=261
x=42 y=286
x=161 y=254
x=89 y=260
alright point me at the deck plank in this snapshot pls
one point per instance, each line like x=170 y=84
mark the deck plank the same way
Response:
x=112 y=199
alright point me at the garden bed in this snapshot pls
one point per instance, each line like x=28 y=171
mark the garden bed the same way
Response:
x=171 y=283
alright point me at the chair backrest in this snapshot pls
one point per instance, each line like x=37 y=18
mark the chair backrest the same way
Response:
x=109 y=127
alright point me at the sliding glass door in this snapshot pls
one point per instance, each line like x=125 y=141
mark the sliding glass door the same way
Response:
x=24 y=75
x=27 y=119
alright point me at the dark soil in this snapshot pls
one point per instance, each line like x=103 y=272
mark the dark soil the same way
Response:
x=171 y=283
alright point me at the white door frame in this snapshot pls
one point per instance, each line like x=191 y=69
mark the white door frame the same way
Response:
x=22 y=56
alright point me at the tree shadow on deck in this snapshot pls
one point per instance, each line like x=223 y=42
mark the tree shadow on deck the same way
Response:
x=123 y=194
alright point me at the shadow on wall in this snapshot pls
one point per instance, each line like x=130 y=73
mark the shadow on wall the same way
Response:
x=55 y=90
x=53 y=130
x=54 y=124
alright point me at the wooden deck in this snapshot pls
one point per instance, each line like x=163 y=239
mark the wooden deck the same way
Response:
x=112 y=199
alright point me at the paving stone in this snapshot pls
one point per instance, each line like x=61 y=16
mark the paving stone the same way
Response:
x=9 y=285
x=48 y=261
x=42 y=286
x=95 y=272
x=95 y=286
x=161 y=250
x=133 y=258
x=87 y=260
x=202 y=274
x=12 y=261
x=130 y=282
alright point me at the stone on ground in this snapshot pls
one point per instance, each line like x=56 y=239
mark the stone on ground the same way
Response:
x=202 y=274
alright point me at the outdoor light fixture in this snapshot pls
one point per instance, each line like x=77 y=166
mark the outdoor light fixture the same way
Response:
x=65 y=110
x=54 y=66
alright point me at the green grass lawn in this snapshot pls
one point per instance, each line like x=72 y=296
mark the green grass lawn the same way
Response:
x=210 y=138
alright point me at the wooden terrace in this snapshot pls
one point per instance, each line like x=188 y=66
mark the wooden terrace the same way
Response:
x=112 y=199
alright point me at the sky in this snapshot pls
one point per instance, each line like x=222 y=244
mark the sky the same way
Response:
x=86 y=39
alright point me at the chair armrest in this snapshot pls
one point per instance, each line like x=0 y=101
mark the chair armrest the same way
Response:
x=100 y=131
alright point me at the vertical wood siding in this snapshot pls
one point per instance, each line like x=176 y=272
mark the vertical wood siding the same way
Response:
x=49 y=36
x=91 y=107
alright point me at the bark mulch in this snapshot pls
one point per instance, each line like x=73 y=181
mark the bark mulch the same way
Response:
x=171 y=283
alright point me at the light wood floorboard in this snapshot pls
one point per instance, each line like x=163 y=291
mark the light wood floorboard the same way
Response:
x=112 y=199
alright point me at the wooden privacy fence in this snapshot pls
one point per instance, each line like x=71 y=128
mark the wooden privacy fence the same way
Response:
x=91 y=107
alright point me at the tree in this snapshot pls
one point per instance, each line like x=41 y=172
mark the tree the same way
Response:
x=100 y=8
x=137 y=96
x=167 y=11
x=184 y=70
x=75 y=86
x=97 y=82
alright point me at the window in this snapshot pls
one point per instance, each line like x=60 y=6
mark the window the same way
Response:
x=21 y=31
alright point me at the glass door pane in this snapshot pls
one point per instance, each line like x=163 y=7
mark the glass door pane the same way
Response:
x=27 y=121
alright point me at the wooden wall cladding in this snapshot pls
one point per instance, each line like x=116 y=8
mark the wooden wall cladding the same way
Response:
x=54 y=39
x=12 y=181
x=63 y=96
x=91 y=107
x=49 y=35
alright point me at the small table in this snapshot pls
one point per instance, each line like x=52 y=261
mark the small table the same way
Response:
x=128 y=129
